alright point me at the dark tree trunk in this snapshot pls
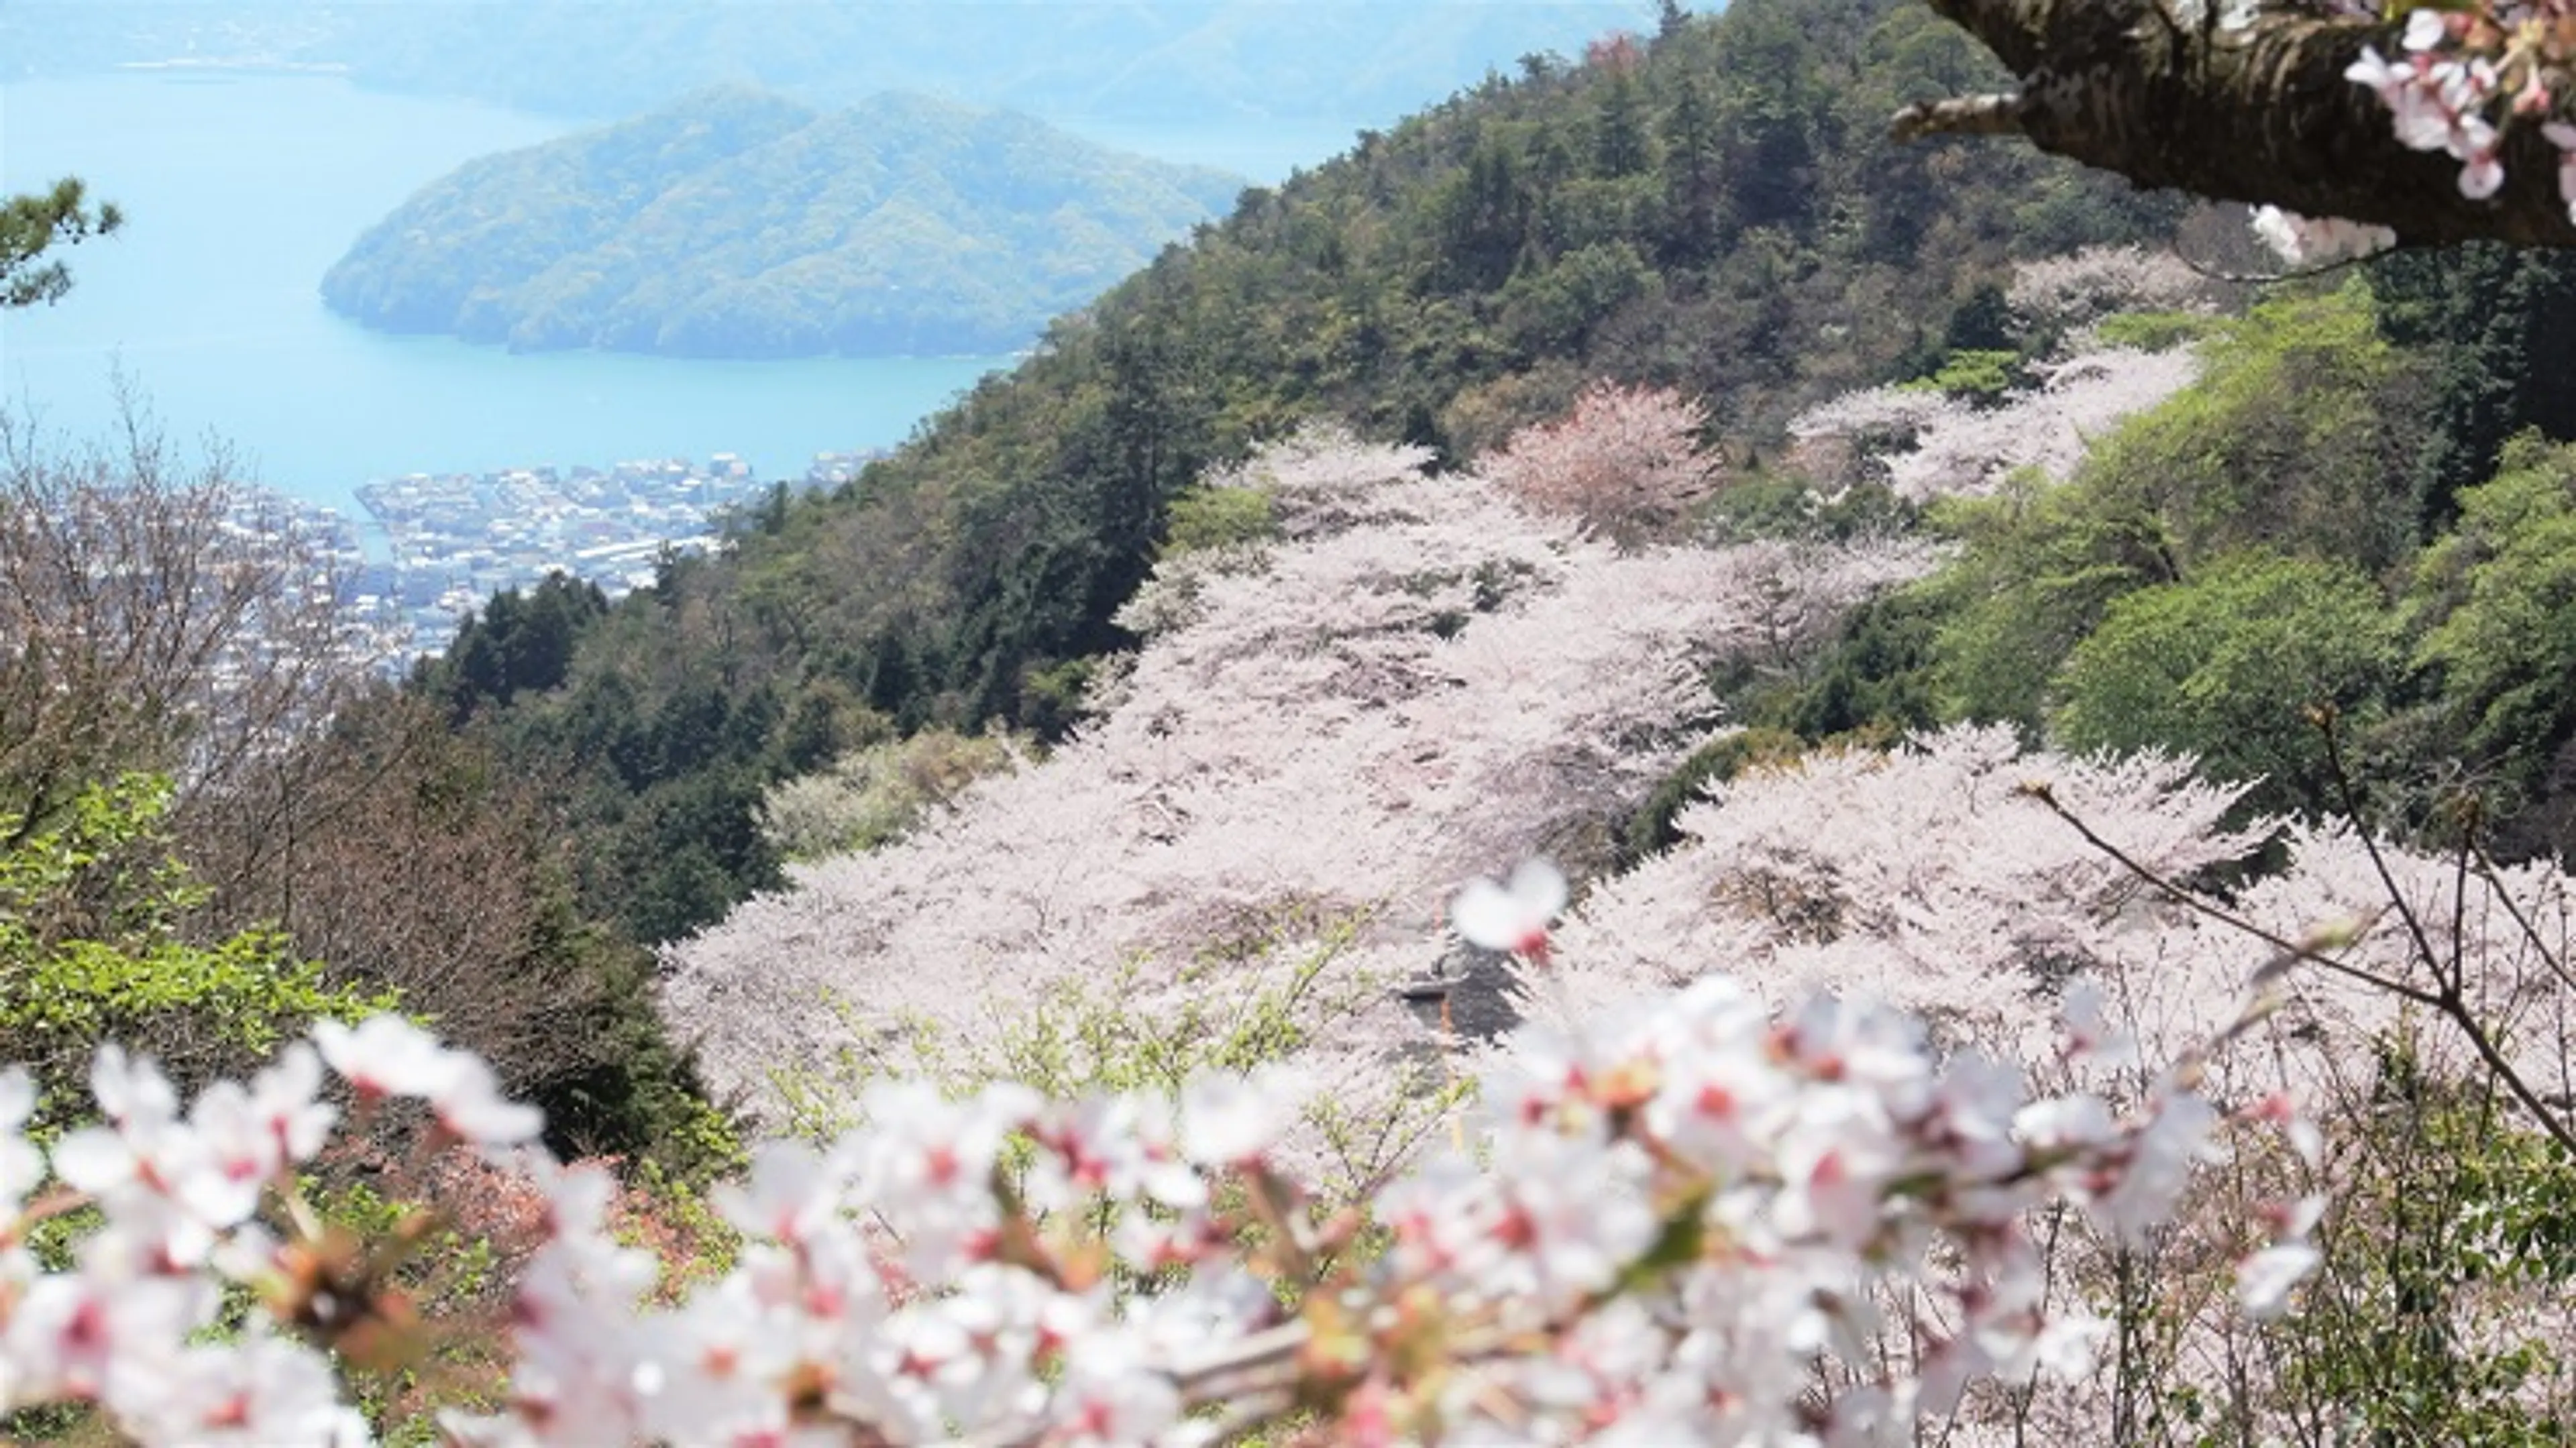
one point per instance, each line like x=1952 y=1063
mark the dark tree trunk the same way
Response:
x=2260 y=113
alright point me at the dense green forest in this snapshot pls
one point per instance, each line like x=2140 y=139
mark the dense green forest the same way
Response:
x=1715 y=207
x=2337 y=566
x=735 y=223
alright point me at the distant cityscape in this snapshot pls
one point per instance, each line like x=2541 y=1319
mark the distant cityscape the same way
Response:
x=452 y=540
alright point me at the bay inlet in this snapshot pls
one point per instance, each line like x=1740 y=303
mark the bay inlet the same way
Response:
x=241 y=189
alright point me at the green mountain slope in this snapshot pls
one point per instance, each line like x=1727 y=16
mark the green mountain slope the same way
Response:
x=1717 y=209
x=736 y=223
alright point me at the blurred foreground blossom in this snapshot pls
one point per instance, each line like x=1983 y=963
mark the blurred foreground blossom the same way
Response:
x=1681 y=1221
x=1514 y=917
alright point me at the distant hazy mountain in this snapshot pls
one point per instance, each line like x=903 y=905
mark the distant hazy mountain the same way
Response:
x=738 y=223
x=1345 y=61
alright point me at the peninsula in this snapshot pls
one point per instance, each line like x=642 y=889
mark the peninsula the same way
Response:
x=737 y=223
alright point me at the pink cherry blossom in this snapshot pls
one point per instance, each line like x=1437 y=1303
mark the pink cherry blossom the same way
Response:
x=1227 y=1120
x=22 y=1165
x=2470 y=74
x=1925 y=445
x=2264 y=1280
x=1626 y=463
x=472 y=1107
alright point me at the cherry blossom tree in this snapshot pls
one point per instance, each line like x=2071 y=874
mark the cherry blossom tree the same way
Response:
x=2080 y=287
x=1991 y=891
x=1944 y=879
x=1924 y=444
x=1625 y=463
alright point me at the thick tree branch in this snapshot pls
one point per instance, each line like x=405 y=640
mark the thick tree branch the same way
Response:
x=2259 y=113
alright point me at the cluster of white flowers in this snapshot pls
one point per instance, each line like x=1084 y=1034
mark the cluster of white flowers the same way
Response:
x=2074 y=289
x=2318 y=240
x=1925 y=444
x=2464 y=75
x=129 y=1321
x=2463 y=66
x=2438 y=101
x=1676 y=1224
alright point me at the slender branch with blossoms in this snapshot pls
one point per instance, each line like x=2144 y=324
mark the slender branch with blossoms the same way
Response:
x=1673 y=1223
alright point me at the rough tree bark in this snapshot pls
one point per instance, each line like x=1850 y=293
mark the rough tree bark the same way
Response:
x=2258 y=112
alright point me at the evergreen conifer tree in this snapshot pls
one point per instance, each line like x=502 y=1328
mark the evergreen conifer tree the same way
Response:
x=34 y=223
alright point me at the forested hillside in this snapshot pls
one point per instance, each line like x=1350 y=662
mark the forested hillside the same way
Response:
x=1715 y=208
x=2349 y=521
x=735 y=223
x=1356 y=683
x=2272 y=539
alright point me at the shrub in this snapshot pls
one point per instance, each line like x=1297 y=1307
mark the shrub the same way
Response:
x=865 y=799
x=2227 y=665
x=94 y=946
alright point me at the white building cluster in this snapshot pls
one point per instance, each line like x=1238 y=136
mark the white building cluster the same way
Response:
x=453 y=540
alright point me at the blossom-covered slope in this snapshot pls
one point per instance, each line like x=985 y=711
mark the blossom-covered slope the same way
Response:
x=1938 y=878
x=1418 y=680
x=1417 y=683
x=1925 y=442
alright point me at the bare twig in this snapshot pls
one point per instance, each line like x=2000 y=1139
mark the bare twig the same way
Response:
x=2313 y=954
x=2450 y=997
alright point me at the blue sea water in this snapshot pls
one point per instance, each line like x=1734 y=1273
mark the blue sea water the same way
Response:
x=242 y=189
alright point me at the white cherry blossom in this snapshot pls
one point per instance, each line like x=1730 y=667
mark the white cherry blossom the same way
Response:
x=1511 y=917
